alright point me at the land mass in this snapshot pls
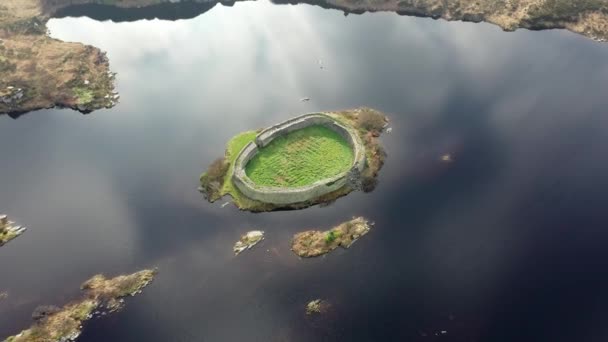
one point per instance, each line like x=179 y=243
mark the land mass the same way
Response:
x=284 y=164
x=39 y=72
x=101 y=295
x=586 y=17
x=314 y=243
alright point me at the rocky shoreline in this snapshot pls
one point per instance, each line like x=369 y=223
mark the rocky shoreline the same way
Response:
x=585 y=17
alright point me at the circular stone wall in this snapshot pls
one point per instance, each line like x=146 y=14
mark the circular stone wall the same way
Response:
x=280 y=195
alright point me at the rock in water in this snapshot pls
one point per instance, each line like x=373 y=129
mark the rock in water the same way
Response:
x=317 y=306
x=8 y=230
x=248 y=240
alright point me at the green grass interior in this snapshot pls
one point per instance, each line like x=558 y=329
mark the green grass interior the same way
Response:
x=301 y=158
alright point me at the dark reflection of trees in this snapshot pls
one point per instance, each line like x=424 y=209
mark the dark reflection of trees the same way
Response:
x=165 y=11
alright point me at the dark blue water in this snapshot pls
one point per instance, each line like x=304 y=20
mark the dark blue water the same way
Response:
x=506 y=243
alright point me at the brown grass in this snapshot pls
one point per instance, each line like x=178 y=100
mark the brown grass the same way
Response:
x=586 y=17
x=313 y=243
x=49 y=72
x=57 y=324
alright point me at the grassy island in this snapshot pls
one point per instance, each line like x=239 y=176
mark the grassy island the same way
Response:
x=300 y=158
x=100 y=294
x=314 y=243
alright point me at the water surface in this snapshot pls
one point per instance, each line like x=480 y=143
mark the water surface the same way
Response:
x=505 y=243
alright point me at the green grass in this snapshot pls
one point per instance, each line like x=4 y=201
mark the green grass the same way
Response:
x=235 y=145
x=301 y=158
x=331 y=236
x=83 y=95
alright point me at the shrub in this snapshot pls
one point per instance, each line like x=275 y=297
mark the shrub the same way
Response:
x=331 y=236
x=212 y=180
x=368 y=184
x=371 y=121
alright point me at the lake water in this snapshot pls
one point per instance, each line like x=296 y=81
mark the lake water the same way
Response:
x=505 y=243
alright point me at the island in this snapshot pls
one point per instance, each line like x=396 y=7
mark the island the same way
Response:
x=247 y=241
x=317 y=306
x=307 y=160
x=8 y=230
x=101 y=296
x=314 y=243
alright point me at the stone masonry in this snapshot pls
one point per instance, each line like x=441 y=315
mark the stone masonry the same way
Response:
x=285 y=196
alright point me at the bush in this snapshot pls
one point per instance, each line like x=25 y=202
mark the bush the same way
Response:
x=371 y=121
x=331 y=237
x=212 y=180
x=368 y=184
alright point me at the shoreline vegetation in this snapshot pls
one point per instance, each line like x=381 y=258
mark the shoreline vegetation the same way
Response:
x=101 y=296
x=368 y=123
x=313 y=243
x=585 y=17
x=41 y=72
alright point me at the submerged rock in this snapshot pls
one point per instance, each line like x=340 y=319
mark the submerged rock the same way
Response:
x=446 y=158
x=3 y=295
x=313 y=243
x=317 y=306
x=248 y=240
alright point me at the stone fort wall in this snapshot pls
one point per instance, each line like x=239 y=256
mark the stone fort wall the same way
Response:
x=278 y=195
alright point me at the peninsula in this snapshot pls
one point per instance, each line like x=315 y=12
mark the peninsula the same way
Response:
x=101 y=295
x=310 y=159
